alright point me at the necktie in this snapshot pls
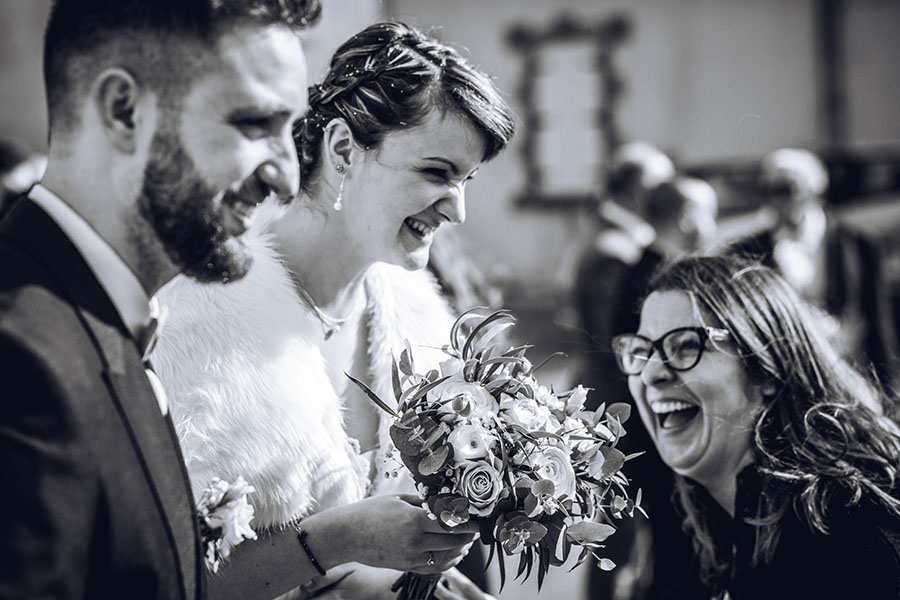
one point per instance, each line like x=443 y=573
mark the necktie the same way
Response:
x=147 y=338
x=146 y=343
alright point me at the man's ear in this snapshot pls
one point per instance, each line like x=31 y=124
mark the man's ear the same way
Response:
x=116 y=96
x=339 y=144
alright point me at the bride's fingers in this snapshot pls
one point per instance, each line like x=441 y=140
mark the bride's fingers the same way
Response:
x=455 y=586
x=437 y=561
x=428 y=524
x=451 y=542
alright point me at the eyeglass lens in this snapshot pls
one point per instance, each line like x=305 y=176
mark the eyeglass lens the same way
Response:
x=680 y=349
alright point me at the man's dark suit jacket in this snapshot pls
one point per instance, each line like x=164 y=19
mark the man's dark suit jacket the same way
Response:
x=95 y=500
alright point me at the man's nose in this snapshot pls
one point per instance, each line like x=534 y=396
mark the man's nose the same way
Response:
x=282 y=171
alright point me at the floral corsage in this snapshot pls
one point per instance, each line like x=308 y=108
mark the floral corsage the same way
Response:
x=225 y=516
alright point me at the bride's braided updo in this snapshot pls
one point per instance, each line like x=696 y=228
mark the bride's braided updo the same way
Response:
x=389 y=77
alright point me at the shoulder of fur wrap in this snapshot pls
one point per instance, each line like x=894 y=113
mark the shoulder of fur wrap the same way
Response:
x=249 y=394
x=402 y=305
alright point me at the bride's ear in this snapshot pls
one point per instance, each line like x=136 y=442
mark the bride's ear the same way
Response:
x=339 y=144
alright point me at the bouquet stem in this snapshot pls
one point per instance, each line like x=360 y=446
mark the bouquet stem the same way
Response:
x=415 y=586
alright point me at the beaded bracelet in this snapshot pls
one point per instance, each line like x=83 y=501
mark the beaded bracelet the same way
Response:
x=301 y=535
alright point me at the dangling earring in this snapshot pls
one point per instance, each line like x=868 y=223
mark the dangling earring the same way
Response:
x=338 y=202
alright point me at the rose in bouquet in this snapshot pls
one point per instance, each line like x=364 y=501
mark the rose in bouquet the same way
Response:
x=483 y=439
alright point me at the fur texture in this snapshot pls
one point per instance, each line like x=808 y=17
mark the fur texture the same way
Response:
x=248 y=389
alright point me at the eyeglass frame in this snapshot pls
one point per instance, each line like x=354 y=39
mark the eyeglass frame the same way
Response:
x=705 y=333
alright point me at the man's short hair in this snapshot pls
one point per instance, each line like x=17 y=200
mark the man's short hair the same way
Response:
x=160 y=42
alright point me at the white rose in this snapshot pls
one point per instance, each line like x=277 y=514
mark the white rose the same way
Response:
x=527 y=413
x=463 y=398
x=552 y=463
x=575 y=401
x=543 y=395
x=470 y=442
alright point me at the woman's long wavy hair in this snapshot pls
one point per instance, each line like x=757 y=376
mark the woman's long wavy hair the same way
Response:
x=389 y=77
x=823 y=441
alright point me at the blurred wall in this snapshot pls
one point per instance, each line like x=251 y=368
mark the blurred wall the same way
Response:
x=705 y=79
x=23 y=115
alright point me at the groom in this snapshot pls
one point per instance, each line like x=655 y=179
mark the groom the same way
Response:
x=170 y=121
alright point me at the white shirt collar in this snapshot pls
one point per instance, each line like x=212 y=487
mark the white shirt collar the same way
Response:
x=120 y=283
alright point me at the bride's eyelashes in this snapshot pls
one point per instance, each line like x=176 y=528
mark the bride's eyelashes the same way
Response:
x=437 y=174
x=444 y=176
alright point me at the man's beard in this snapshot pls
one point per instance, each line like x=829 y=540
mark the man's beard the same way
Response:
x=183 y=212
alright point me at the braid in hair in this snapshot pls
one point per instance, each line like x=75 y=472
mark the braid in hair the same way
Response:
x=389 y=77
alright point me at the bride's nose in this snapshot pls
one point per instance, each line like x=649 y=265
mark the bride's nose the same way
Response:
x=453 y=205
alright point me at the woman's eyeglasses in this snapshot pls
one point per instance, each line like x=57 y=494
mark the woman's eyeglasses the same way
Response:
x=679 y=349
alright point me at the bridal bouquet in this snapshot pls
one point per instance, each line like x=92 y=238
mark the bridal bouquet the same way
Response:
x=483 y=439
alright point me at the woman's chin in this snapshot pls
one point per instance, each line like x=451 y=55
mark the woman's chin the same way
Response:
x=413 y=261
x=683 y=451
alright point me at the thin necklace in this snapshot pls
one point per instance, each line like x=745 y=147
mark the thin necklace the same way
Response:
x=330 y=325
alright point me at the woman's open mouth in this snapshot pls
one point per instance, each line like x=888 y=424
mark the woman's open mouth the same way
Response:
x=420 y=229
x=674 y=414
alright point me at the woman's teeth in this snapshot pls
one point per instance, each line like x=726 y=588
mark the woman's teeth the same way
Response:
x=419 y=227
x=674 y=413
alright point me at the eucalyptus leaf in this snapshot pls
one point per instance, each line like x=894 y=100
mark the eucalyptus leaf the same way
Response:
x=434 y=461
x=427 y=388
x=404 y=441
x=543 y=487
x=531 y=505
x=620 y=410
x=589 y=532
x=406 y=364
x=373 y=396
x=606 y=564
x=395 y=382
x=613 y=460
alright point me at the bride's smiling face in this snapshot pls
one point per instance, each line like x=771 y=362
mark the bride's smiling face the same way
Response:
x=398 y=195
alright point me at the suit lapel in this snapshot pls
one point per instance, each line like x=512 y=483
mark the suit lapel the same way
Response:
x=152 y=434
x=159 y=450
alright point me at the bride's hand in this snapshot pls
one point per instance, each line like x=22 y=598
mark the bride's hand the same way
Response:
x=395 y=532
x=456 y=586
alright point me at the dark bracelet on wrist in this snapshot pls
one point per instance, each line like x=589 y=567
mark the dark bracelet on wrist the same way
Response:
x=301 y=535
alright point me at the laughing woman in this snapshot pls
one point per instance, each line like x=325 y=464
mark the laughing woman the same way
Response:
x=787 y=463
x=255 y=370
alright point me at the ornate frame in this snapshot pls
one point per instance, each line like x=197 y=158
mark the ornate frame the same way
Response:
x=598 y=38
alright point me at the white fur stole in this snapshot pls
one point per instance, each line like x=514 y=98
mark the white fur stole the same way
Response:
x=249 y=394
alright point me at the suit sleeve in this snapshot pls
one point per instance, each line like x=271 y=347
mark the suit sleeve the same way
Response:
x=50 y=498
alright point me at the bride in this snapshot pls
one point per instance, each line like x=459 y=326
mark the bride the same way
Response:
x=256 y=370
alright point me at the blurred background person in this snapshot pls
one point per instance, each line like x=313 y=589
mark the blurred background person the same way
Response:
x=637 y=168
x=827 y=262
x=619 y=241
x=654 y=555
